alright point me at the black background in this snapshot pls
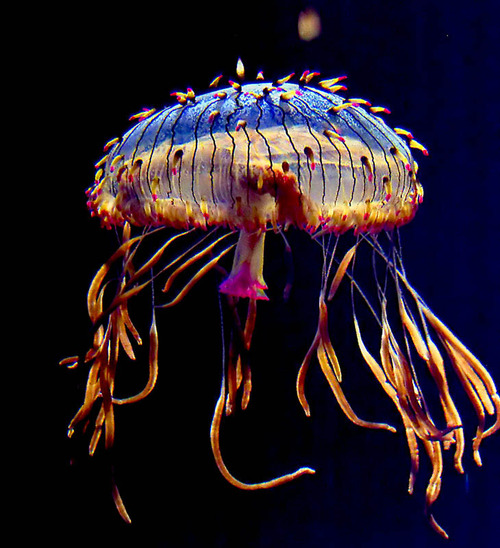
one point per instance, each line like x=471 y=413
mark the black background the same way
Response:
x=87 y=69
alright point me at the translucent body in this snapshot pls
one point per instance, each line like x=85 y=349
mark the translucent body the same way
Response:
x=253 y=155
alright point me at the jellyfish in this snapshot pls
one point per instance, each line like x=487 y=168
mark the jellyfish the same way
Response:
x=218 y=173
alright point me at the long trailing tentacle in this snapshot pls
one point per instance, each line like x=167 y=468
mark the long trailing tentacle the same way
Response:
x=236 y=373
x=476 y=380
x=113 y=330
x=238 y=349
x=383 y=376
x=214 y=439
x=393 y=374
x=327 y=358
x=397 y=375
x=108 y=340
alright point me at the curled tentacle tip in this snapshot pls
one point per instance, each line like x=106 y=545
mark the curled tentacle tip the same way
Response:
x=439 y=530
x=305 y=470
x=70 y=362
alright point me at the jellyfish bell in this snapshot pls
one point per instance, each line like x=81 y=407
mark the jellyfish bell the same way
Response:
x=234 y=165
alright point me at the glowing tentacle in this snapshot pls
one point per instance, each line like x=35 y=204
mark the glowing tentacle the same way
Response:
x=301 y=376
x=153 y=260
x=238 y=369
x=326 y=355
x=233 y=378
x=407 y=392
x=341 y=399
x=205 y=251
x=435 y=454
x=214 y=440
x=475 y=379
x=120 y=506
x=436 y=367
x=153 y=368
x=201 y=272
x=247 y=335
x=322 y=333
x=390 y=390
x=341 y=270
x=96 y=284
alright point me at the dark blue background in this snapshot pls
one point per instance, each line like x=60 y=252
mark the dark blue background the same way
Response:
x=436 y=66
